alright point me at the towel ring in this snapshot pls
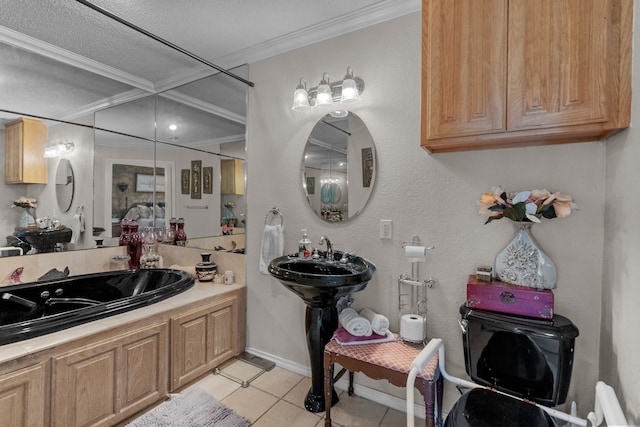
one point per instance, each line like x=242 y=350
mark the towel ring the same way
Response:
x=276 y=214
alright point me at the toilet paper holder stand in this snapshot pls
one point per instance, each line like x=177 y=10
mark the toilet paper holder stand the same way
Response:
x=412 y=301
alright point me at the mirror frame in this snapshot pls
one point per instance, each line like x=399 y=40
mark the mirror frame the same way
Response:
x=64 y=186
x=359 y=171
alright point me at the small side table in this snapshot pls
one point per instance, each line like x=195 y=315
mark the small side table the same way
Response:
x=390 y=361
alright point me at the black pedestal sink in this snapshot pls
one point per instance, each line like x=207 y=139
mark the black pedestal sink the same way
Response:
x=321 y=283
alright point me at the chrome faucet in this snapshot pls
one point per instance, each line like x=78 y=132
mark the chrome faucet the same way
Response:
x=325 y=240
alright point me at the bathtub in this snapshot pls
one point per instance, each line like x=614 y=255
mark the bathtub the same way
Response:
x=33 y=309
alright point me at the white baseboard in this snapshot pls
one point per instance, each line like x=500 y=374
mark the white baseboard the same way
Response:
x=366 y=392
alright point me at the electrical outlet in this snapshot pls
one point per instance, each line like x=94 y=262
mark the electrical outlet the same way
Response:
x=386 y=229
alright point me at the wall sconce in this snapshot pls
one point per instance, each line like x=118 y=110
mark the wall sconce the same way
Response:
x=346 y=91
x=58 y=148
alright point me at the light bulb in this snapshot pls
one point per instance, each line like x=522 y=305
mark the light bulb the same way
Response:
x=349 y=89
x=300 y=98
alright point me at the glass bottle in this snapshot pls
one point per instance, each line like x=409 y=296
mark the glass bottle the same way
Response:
x=171 y=233
x=134 y=246
x=124 y=232
x=181 y=236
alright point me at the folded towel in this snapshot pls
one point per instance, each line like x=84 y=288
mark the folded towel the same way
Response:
x=272 y=245
x=345 y=338
x=354 y=323
x=379 y=322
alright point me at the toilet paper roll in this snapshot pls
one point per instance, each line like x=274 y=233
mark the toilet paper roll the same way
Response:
x=415 y=253
x=412 y=327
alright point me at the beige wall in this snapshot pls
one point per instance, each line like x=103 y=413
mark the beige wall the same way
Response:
x=433 y=196
x=619 y=335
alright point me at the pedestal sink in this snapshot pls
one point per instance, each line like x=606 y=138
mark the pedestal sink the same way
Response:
x=321 y=283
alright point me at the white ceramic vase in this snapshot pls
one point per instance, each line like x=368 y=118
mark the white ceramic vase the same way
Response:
x=524 y=263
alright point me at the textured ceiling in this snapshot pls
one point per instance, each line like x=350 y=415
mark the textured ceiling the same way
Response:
x=62 y=59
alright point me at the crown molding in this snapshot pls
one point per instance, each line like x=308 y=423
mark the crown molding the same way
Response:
x=365 y=17
x=204 y=106
x=48 y=50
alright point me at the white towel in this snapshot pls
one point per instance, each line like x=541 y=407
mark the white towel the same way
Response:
x=272 y=245
x=355 y=324
x=75 y=228
x=379 y=322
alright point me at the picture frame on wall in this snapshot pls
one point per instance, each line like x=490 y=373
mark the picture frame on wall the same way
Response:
x=311 y=185
x=196 y=179
x=144 y=183
x=367 y=166
x=207 y=180
x=185 y=179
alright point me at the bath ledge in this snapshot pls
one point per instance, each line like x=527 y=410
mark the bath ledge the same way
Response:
x=197 y=293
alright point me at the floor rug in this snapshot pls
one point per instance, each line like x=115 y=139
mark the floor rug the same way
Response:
x=193 y=408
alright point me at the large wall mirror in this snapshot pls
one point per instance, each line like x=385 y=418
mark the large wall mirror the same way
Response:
x=339 y=167
x=134 y=146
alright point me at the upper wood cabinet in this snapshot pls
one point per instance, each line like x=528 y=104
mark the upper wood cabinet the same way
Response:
x=24 y=161
x=231 y=177
x=506 y=73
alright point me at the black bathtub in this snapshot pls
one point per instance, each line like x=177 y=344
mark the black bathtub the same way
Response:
x=32 y=309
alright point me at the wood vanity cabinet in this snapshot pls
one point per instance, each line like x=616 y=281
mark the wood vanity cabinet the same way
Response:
x=231 y=177
x=505 y=73
x=105 y=382
x=202 y=339
x=23 y=397
x=24 y=161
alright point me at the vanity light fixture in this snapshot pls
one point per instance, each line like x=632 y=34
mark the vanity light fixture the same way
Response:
x=346 y=91
x=58 y=148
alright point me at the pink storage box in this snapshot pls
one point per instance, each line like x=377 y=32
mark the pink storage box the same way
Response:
x=512 y=299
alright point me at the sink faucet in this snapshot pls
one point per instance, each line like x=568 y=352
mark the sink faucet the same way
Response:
x=324 y=240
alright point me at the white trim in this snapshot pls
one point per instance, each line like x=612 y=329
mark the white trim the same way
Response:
x=121 y=98
x=204 y=106
x=368 y=393
x=374 y=14
x=48 y=50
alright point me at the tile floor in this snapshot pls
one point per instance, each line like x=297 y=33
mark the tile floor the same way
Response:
x=276 y=397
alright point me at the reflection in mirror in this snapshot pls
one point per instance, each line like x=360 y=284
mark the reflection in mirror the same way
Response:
x=209 y=115
x=201 y=128
x=338 y=167
x=64 y=185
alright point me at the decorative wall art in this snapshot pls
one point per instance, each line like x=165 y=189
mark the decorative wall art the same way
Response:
x=207 y=180
x=144 y=183
x=311 y=185
x=196 y=179
x=367 y=166
x=185 y=179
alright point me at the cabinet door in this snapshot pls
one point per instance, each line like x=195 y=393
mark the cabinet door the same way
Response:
x=23 y=397
x=103 y=383
x=464 y=67
x=202 y=339
x=231 y=177
x=25 y=140
x=557 y=63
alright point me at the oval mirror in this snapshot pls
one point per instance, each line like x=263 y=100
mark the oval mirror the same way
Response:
x=64 y=185
x=338 y=167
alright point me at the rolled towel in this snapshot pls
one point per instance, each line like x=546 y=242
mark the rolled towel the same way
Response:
x=355 y=324
x=379 y=322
